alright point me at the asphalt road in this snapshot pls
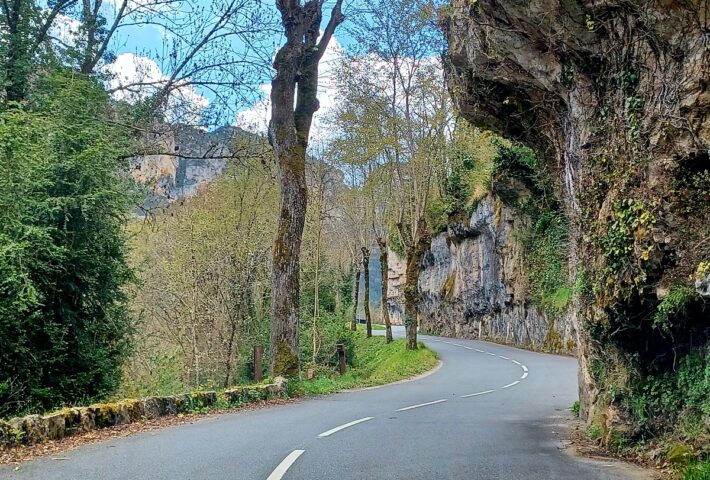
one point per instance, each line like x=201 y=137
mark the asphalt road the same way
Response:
x=489 y=412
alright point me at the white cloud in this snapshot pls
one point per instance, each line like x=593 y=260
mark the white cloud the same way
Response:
x=65 y=29
x=133 y=78
x=256 y=118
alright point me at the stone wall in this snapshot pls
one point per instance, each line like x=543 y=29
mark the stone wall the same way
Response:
x=33 y=429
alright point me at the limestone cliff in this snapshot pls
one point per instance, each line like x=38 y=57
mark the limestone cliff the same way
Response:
x=614 y=94
x=473 y=284
x=181 y=160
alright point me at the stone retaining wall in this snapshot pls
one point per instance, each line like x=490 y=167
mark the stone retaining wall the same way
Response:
x=33 y=429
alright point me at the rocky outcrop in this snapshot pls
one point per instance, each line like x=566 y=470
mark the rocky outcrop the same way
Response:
x=33 y=429
x=395 y=288
x=473 y=284
x=615 y=94
x=180 y=161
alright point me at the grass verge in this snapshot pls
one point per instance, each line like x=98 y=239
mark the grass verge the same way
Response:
x=361 y=327
x=697 y=470
x=374 y=362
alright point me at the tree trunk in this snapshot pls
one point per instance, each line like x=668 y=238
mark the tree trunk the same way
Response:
x=366 y=299
x=316 y=293
x=415 y=253
x=295 y=83
x=356 y=297
x=384 y=268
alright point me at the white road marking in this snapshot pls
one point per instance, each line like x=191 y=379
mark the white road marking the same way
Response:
x=504 y=358
x=468 y=348
x=525 y=375
x=457 y=345
x=525 y=369
x=491 y=354
x=343 y=427
x=516 y=362
x=479 y=393
x=479 y=351
x=421 y=405
x=512 y=384
x=285 y=465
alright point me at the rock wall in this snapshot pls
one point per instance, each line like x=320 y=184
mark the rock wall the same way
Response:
x=473 y=285
x=615 y=94
x=186 y=160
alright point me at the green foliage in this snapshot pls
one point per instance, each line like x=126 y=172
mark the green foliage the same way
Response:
x=372 y=362
x=546 y=247
x=697 y=470
x=629 y=218
x=522 y=181
x=64 y=324
x=203 y=267
x=673 y=306
x=575 y=408
x=332 y=329
x=394 y=242
x=657 y=400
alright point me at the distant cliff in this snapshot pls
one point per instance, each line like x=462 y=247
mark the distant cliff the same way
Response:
x=180 y=161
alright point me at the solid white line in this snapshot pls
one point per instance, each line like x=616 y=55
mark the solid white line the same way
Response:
x=512 y=384
x=421 y=405
x=343 y=427
x=479 y=393
x=525 y=369
x=285 y=465
x=525 y=375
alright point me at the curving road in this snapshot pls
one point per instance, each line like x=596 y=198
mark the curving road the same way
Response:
x=490 y=412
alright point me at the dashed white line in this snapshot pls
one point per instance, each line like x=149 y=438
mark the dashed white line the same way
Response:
x=511 y=384
x=477 y=394
x=421 y=405
x=525 y=369
x=525 y=375
x=479 y=351
x=504 y=358
x=343 y=427
x=283 y=467
x=516 y=362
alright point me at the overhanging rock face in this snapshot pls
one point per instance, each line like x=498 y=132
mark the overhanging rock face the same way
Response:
x=615 y=95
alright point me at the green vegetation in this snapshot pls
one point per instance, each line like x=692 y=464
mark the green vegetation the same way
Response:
x=697 y=470
x=375 y=326
x=660 y=401
x=575 y=408
x=522 y=181
x=372 y=362
x=64 y=324
x=470 y=163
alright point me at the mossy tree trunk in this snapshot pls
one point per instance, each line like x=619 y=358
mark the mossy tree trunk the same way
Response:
x=295 y=83
x=366 y=297
x=356 y=296
x=384 y=269
x=415 y=249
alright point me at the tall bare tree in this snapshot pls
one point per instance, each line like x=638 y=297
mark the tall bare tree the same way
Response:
x=295 y=83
